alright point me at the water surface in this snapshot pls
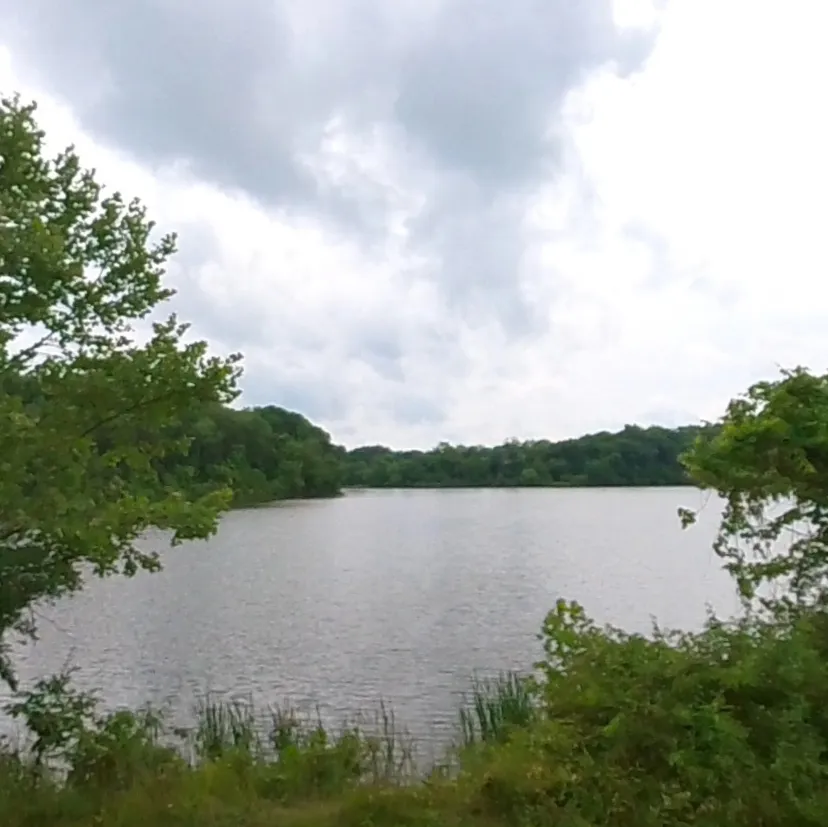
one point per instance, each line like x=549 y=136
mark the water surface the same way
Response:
x=400 y=595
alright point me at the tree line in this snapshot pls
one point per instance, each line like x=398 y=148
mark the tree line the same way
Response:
x=269 y=453
x=634 y=456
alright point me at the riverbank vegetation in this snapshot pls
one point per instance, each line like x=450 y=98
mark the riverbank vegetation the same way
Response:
x=726 y=727
x=268 y=453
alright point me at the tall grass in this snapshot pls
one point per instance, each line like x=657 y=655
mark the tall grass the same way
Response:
x=389 y=748
x=494 y=707
x=373 y=746
x=224 y=726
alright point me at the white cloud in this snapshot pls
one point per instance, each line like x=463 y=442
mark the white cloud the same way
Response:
x=677 y=258
x=716 y=150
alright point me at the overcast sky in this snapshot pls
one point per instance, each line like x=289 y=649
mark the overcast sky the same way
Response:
x=464 y=219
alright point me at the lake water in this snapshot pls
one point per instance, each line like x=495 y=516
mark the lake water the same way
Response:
x=399 y=595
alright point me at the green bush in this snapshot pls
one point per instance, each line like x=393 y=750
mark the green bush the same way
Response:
x=724 y=727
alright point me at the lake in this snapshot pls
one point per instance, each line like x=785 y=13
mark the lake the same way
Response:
x=395 y=595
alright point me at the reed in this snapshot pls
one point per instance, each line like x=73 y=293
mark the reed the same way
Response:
x=494 y=707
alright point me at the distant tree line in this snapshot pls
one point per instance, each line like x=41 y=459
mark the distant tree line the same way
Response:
x=269 y=453
x=632 y=457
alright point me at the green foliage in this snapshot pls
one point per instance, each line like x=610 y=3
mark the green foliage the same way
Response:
x=263 y=454
x=72 y=738
x=56 y=715
x=722 y=727
x=726 y=725
x=269 y=453
x=225 y=727
x=769 y=461
x=634 y=456
x=93 y=390
x=288 y=762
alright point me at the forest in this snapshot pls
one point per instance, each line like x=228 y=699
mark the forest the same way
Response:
x=269 y=453
x=633 y=456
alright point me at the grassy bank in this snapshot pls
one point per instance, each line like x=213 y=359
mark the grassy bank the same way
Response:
x=725 y=727
x=239 y=764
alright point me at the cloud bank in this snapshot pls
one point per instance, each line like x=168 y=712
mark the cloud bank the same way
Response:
x=463 y=220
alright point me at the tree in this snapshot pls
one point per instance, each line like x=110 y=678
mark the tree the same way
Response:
x=769 y=461
x=93 y=386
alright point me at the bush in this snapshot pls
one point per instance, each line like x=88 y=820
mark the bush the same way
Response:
x=724 y=727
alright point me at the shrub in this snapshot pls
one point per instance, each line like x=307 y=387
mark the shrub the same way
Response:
x=724 y=727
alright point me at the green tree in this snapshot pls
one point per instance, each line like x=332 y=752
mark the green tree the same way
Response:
x=93 y=388
x=263 y=454
x=769 y=461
